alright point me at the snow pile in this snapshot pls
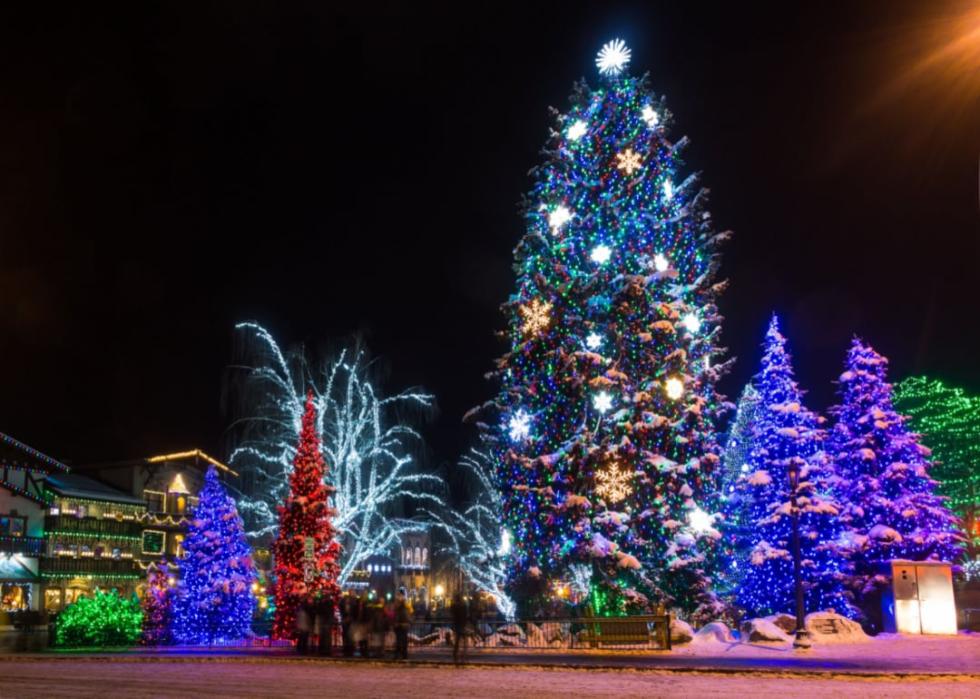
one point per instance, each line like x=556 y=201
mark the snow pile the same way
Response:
x=715 y=632
x=680 y=631
x=760 y=477
x=786 y=622
x=830 y=627
x=762 y=631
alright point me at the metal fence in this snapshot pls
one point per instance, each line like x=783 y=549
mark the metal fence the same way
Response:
x=625 y=633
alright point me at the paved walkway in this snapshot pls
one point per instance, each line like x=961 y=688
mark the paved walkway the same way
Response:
x=238 y=678
x=883 y=656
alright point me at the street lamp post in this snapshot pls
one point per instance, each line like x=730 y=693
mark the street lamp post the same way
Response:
x=802 y=639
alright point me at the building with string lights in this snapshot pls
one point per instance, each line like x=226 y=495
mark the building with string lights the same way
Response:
x=23 y=504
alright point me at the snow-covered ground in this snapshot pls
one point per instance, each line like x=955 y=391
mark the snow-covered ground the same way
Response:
x=81 y=679
x=889 y=652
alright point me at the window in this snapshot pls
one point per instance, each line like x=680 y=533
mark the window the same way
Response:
x=153 y=542
x=179 y=545
x=12 y=525
x=181 y=504
x=14 y=597
x=155 y=500
x=418 y=556
x=52 y=599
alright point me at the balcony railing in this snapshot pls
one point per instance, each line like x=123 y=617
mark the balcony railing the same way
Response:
x=25 y=545
x=64 y=567
x=69 y=524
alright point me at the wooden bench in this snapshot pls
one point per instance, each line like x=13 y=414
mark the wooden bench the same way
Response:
x=628 y=630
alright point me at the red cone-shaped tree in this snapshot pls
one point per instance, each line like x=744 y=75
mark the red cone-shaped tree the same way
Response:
x=305 y=550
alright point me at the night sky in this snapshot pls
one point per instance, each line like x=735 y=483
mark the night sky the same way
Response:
x=167 y=170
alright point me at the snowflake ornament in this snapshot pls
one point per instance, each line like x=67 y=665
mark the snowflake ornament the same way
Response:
x=519 y=426
x=593 y=341
x=559 y=217
x=614 y=484
x=628 y=161
x=536 y=316
x=577 y=130
x=602 y=402
x=613 y=57
x=601 y=254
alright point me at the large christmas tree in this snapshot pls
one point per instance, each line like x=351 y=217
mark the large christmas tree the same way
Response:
x=214 y=602
x=606 y=443
x=785 y=435
x=948 y=418
x=887 y=497
x=305 y=551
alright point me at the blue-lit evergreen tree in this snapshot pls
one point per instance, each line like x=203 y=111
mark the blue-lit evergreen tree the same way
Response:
x=889 y=502
x=214 y=601
x=785 y=433
x=604 y=433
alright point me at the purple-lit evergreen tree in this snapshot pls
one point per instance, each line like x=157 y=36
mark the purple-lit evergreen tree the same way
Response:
x=214 y=601
x=157 y=607
x=785 y=433
x=889 y=503
x=605 y=438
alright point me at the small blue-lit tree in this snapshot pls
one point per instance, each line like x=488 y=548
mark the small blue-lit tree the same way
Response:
x=214 y=601
x=888 y=500
x=736 y=503
x=784 y=434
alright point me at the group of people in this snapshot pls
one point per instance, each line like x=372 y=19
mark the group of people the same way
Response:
x=365 y=623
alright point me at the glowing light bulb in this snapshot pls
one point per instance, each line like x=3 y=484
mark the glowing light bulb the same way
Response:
x=593 y=341
x=650 y=116
x=668 y=190
x=602 y=402
x=692 y=322
x=675 y=388
x=519 y=426
x=601 y=254
x=660 y=263
x=613 y=57
x=700 y=520
x=559 y=217
x=744 y=468
x=577 y=130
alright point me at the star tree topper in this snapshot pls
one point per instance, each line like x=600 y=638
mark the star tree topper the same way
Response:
x=613 y=57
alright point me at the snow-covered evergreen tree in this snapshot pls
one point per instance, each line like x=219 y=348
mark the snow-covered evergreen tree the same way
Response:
x=214 y=601
x=888 y=500
x=784 y=434
x=605 y=440
x=736 y=502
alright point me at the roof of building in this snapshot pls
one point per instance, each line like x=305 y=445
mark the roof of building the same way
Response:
x=12 y=570
x=26 y=457
x=75 y=485
x=195 y=457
